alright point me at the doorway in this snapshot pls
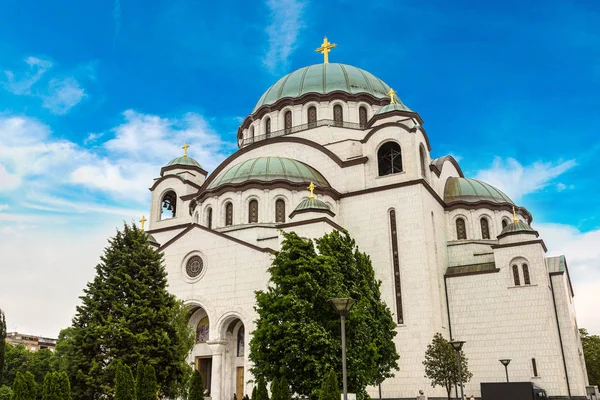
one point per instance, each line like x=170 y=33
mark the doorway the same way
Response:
x=239 y=383
x=204 y=366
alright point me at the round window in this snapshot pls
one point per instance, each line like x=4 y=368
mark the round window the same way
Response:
x=194 y=266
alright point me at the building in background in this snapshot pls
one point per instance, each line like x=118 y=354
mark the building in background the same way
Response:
x=31 y=342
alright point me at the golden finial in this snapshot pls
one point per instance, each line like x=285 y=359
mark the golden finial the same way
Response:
x=143 y=221
x=515 y=215
x=312 y=187
x=325 y=49
x=392 y=94
x=185 y=147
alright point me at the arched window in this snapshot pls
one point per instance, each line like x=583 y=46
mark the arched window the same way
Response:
x=504 y=223
x=461 y=229
x=241 y=342
x=312 y=117
x=534 y=365
x=422 y=158
x=287 y=121
x=279 y=210
x=515 y=271
x=253 y=211
x=268 y=127
x=485 y=228
x=338 y=115
x=251 y=134
x=202 y=330
x=196 y=218
x=389 y=158
x=362 y=117
x=526 y=279
x=228 y=214
x=209 y=218
x=168 y=205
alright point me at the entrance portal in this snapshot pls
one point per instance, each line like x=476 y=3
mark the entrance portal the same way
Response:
x=204 y=366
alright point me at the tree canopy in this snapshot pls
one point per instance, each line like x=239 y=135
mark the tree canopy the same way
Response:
x=124 y=384
x=591 y=353
x=441 y=365
x=330 y=389
x=298 y=334
x=24 y=387
x=2 y=343
x=196 y=387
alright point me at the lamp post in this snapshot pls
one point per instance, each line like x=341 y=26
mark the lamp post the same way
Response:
x=505 y=362
x=457 y=345
x=343 y=307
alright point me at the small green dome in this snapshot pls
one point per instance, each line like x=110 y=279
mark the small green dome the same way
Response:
x=184 y=160
x=515 y=227
x=323 y=79
x=472 y=191
x=393 y=107
x=269 y=169
x=312 y=204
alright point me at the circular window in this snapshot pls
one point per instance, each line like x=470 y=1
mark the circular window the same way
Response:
x=194 y=266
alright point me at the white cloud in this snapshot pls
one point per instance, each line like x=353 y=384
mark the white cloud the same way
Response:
x=517 y=180
x=3 y=207
x=283 y=32
x=63 y=94
x=8 y=181
x=37 y=68
x=92 y=137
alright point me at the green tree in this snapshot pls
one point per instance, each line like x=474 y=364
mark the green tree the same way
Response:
x=40 y=364
x=64 y=385
x=298 y=334
x=254 y=391
x=2 y=343
x=147 y=389
x=16 y=360
x=51 y=389
x=441 y=365
x=24 y=387
x=196 y=387
x=124 y=385
x=64 y=350
x=5 y=392
x=127 y=314
x=139 y=380
x=284 y=389
x=275 y=389
x=261 y=389
x=591 y=353
x=330 y=389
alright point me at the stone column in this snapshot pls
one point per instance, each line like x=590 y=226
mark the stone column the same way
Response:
x=218 y=348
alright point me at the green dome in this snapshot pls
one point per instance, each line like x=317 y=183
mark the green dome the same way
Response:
x=312 y=204
x=269 y=169
x=472 y=190
x=392 y=107
x=184 y=160
x=515 y=227
x=324 y=78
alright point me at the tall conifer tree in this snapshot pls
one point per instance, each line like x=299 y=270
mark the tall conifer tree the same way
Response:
x=51 y=389
x=2 y=344
x=64 y=385
x=24 y=387
x=124 y=385
x=196 y=387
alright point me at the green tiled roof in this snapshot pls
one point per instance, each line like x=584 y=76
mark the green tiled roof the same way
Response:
x=268 y=169
x=515 y=227
x=312 y=204
x=472 y=190
x=391 y=107
x=184 y=161
x=324 y=78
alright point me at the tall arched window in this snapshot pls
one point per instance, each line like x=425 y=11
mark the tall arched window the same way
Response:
x=268 y=127
x=485 y=228
x=338 y=115
x=287 y=121
x=362 y=117
x=422 y=159
x=312 y=117
x=228 y=214
x=253 y=211
x=504 y=223
x=251 y=134
x=516 y=277
x=279 y=210
x=168 y=205
x=389 y=158
x=526 y=278
x=461 y=229
x=241 y=342
x=202 y=330
x=209 y=218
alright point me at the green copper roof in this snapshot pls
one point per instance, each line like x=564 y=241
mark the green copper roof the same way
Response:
x=514 y=227
x=312 y=204
x=268 y=169
x=324 y=78
x=392 y=107
x=184 y=161
x=472 y=190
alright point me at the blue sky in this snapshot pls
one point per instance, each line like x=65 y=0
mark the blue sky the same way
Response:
x=96 y=96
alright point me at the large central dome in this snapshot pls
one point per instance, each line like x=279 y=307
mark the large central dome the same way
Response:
x=323 y=79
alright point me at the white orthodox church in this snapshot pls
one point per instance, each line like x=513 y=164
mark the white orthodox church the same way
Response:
x=451 y=254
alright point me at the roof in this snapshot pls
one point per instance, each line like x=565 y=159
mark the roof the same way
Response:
x=324 y=78
x=438 y=164
x=267 y=169
x=471 y=191
x=184 y=160
x=517 y=227
x=397 y=106
x=556 y=264
x=312 y=204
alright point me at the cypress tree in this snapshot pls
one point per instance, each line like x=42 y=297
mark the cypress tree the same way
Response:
x=275 y=389
x=284 y=389
x=64 y=385
x=148 y=389
x=127 y=314
x=2 y=344
x=139 y=380
x=196 y=387
x=124 y=384
x=5 y=393
x=253 y=393
x=24 y=387
x=261 y=391
x=51 y=387
x=330 y=389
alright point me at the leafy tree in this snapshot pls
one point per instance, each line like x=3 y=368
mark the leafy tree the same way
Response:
x=2 y=343
x=330 y=389
x=196 y=387
x=591 y=353
x=297 y=334
x=24 y=387
x=147 y=388
x=441 y=366
x=64 y=350
x=124 y=385
x=127 y=314
x=275 y=389
x=284 y=389
x=5 y=393
x=16 y=360
x=40 y=364
x=64 y=385
x=261 y=390
x=51 y=389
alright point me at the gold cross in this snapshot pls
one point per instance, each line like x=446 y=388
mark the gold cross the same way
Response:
x=325 y=49
x=392 y=94
x=185 y=147
x=515 y=215
x=143 y=221
x=312 y=187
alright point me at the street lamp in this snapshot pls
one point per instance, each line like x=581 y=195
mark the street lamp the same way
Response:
x=505 y=362
x=457 y=345
x=343 y=307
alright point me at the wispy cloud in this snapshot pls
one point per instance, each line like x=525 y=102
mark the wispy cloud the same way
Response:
x=63 y=95
x=3 y=207
x=116 y=19
x=283 y=31
x=21 y=83
x=517 y=180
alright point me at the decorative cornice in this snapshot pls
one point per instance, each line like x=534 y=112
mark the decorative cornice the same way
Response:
x=165 y=177
x=517 y=244
x=488 y=204
x=501 y=235
x=396 y=124
x=182 y=166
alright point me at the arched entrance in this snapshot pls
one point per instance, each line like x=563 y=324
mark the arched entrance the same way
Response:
x=235 y=373
x=201 y=354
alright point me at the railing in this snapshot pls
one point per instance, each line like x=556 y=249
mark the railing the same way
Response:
x=300 y=128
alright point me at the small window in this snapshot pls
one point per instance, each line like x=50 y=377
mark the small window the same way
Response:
x=253 y=211
x=515 y=270
x=241 y=342
x=287 y=121
x=168 y=205
x=228 y=214
x=422 y=157
x=504 y=223
x=338 y=115
x=485 y=228
x=389 y=158
x=461 y=229
x=526 y=279
x=534 y=366
x=312 y=117
x=268 y=127
x=362 y=117
x=209 y=218
x=251 y=134
x=280 y=210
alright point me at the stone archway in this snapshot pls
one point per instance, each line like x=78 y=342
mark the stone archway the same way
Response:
x=201 y=355
x=233 y=353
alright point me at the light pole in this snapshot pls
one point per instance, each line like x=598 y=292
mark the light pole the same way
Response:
x=457 y=344
x=505 y=362
x=343 y=307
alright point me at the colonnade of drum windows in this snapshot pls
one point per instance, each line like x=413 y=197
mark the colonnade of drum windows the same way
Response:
x=252 y=212
x=461 y=228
